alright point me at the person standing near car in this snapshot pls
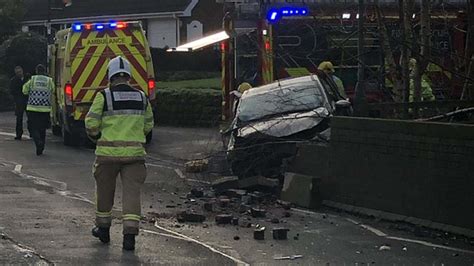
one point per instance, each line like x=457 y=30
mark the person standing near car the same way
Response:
x=40 y=91
x=16 y=89
x=328 y=68
x=119 y=120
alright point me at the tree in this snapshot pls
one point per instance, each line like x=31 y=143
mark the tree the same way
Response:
x=26 y=50
x=11 y=13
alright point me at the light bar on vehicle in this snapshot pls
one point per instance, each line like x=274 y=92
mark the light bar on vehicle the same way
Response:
x=201 y=43
x=275 y=14
x=78 y=27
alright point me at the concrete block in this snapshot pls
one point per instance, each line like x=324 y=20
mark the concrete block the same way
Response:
x=187 y=216
x=302 y=190
x=224 y=219
x=225 y=183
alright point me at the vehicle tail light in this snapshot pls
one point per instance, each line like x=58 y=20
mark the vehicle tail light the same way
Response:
x=68 y=93
x=151 y=88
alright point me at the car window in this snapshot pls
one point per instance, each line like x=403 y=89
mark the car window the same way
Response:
x=285 y=99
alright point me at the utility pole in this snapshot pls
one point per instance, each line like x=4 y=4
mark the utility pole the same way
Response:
x=404 y=54
x=360 y=100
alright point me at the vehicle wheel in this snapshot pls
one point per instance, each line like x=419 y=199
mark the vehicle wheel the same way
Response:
x=149 y=137
x=57 y=131
x=69 y=138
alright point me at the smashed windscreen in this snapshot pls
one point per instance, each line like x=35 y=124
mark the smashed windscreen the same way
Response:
x=281 y=100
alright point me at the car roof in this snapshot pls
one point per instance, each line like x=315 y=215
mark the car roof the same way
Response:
x=278 y=84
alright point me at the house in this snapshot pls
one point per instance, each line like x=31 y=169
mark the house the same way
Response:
x=168 y=23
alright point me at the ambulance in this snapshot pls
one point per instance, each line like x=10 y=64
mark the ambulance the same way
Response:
x=78 y=64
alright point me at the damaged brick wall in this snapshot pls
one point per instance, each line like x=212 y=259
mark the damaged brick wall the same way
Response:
x=423 y=170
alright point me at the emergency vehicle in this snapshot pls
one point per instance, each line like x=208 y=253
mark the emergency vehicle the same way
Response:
x=78 y=64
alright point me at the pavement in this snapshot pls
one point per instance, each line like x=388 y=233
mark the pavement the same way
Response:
x=47 y=212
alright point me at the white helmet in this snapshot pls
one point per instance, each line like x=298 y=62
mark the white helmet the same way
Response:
x=119 y=65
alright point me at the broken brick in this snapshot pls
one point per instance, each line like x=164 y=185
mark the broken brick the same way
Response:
x=224 y=202
x=235 y=193
x=197 y=193
x=257 y=213
x=280 y=233
x=235 y=221
x=208 y=206
x=196 y=166
x=223 y=219
x=258 y=181
x=259 y=233
x=187 y=216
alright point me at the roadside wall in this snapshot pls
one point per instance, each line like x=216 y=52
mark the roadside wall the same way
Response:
x=422 y=170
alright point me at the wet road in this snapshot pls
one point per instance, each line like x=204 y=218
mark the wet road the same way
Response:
x=47 y=212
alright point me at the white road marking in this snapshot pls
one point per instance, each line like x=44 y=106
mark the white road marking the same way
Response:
x=71 y=195
x=12 y=135
x=239 y=262
x=179 y=173
x=420 y=242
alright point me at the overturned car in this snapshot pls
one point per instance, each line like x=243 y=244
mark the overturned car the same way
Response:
x=270 y=120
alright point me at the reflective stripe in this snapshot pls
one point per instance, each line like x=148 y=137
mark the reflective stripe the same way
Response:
x=103 y=214
x=94 y=115
x=124 y=112
x=104 y=159
x=119 y=143
x=108 y=99
x=131 y=217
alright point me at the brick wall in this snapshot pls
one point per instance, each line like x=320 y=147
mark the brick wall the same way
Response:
x=423 y=170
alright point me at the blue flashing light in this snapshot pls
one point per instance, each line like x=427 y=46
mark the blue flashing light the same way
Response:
x=99 y=26
x=77 y=27
x=273 y=15
x=113 y=25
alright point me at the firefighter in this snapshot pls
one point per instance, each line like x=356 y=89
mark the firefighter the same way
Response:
x=16 y=89
x=40 y=90
x=328 y=68
x=118 y=121
x=426 y=91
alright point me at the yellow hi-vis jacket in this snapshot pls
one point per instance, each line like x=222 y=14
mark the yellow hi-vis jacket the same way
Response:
x=119 y=119
x=40 y=91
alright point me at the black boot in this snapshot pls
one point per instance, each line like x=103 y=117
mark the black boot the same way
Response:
x=129 y=242
x=102 y=233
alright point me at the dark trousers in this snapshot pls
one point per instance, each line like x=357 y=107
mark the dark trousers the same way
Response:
x=19 y=112
x=37 y=124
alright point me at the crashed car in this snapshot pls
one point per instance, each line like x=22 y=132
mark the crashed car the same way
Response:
x=270 y=120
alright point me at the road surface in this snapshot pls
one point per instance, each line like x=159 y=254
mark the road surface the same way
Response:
x=47 y=212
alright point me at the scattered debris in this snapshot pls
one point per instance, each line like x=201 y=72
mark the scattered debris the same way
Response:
x=235 y=221
x=224 y=202
x=259 y=233
x=223 y=219
x=284 y=204
x=405 y=249
x=236 y=237
x=385 y=247
x=292 y=257
x=170 y=206
x=197 y=193
x=208 y=206
x=358 y=252
x=287 y=214
x=187 y=216
x=235 y=193
x=225 y=183
x=275 y=221
x=280 y=233
x=258 y=213
x=296 y=237
x=196 y=166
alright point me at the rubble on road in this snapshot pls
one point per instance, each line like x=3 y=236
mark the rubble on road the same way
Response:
x=259 y=233
x=258 y=213
x=224 y=219
x=196 y=166
x=191 y=217
x=224 y=183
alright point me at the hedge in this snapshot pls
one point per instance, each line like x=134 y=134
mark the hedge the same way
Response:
x=6 y=99
x=188 y=107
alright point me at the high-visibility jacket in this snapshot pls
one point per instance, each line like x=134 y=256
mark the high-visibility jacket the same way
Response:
x=426 y=91
x=119 y=119
x=40 y=90
x=340 y=86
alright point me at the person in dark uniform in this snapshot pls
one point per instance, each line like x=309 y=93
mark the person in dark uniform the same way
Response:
x=16 y=87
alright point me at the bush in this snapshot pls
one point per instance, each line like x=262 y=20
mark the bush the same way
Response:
x=188 y=107
x=186 y=75
x=6 y=99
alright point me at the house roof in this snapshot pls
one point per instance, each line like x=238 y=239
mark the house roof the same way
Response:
x=93 y=10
